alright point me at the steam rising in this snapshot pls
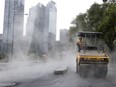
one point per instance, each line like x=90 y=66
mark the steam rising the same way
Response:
x=32 y=70
x=24 y=68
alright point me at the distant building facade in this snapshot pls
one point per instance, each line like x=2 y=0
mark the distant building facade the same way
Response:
x=35 y=31
x=64 y=35
x=41 y=28
x=13 y=25
x=64 y=39
x=51 y=14
x=30 y=28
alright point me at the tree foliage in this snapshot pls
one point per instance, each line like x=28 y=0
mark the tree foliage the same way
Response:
x=99 y=17
x=108 y=25
x=95 y=14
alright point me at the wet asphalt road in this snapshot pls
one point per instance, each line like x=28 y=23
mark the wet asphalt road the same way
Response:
x=42 y=75
x=71 y=79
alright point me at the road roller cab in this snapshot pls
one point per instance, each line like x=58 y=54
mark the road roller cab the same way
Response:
x=92 y=58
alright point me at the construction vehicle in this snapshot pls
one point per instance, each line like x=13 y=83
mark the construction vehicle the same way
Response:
x=92 y=60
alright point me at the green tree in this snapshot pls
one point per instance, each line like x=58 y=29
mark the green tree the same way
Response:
x=99 y=17
x=88 y=21
x=79 y=23
x=95 y=14
x=108 y=25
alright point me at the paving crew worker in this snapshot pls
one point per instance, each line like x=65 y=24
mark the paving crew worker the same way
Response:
x=80 y=44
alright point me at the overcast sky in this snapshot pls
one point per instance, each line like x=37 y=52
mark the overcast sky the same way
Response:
x=66 y=10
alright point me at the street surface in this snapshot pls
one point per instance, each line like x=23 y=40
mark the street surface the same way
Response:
x=41 y=74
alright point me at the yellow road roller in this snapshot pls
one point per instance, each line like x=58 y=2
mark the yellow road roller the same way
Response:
x=91 y=56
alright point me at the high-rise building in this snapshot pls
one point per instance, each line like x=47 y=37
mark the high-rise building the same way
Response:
x=13 y=25
x=51 y=17
x=41 y=28
x=36 y=45
x=51 y=13
x=64 y=39
x=30 y=27
x=64 y=35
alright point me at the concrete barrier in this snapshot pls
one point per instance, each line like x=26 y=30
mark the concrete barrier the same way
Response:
x=61 y=70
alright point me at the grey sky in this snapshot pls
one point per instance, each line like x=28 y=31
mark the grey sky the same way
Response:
x=66 y=10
